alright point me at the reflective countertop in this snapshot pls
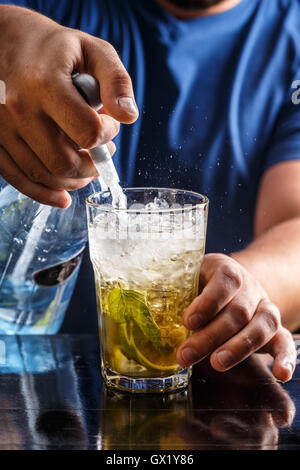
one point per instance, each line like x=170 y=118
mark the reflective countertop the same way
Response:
x=52 y=397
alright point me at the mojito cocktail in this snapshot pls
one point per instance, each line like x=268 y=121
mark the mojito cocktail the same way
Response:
x=146 y=261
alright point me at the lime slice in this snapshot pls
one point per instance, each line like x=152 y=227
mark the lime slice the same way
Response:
x=137 y=347
x=120 y=364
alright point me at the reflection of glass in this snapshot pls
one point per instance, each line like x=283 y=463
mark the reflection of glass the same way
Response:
x=40 y=402
x=244 y=408
x=135 y=422
x=146 y=261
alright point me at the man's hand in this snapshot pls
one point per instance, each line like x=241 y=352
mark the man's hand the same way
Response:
x=46 y=124
x=233 y=318
x=251 y=406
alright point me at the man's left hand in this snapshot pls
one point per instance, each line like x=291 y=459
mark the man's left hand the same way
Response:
x=232 y=318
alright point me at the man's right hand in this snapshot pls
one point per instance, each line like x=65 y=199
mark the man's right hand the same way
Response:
x=45 y=126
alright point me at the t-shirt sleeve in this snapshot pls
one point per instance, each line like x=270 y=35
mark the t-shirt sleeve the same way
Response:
x=284 y=143
x=285 y=139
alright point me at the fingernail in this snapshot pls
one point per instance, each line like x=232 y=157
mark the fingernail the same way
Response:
x=288 y=366
x=63 y=202
x=127 y=105
x=189 y=356
x=195 y=321
x=225 y=359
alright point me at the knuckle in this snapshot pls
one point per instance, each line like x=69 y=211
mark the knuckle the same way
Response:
x=209 y=340
x=251 y=343
x=213 y=302
x=35 y=175
x=271 y=316
x=63 y=170
x=121 y=80
x=91 y=136
x=107 y=129
x=107 y=46
x=66 y=37
x=62 y=167
x=232 y=275
x=74 y=185
x=241 y=314
x=60 y=158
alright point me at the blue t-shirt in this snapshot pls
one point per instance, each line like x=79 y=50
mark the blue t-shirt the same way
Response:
x=214 y=95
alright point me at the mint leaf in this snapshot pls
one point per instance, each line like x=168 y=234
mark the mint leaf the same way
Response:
x=116 y=306
x=143 y=318
x=125 y=305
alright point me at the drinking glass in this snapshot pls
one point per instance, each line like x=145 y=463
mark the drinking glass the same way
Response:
x=146 y=261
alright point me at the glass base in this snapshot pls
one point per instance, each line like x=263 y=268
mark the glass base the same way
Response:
x=173 y=383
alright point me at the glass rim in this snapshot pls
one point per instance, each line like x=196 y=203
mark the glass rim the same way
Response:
x=204 y=203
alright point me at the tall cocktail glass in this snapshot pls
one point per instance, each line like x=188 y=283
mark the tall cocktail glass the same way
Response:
x=146 y=261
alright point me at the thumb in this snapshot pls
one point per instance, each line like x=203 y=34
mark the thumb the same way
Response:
x=117 y=96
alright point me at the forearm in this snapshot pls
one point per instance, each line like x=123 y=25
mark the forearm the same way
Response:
x=274 y=260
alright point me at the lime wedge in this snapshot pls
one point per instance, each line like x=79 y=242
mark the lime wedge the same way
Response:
x=136 y=346
x=120 y=364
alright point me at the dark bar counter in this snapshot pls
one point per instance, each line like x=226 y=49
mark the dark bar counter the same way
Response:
x=52 y=397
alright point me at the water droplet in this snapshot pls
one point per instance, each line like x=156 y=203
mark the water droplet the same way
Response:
x=18 y=241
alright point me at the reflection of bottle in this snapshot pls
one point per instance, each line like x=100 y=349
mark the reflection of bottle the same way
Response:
x=142 y=422
x=45 y=387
